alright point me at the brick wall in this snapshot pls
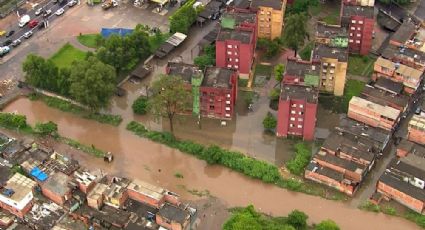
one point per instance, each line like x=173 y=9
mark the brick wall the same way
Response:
x=58 y=199
x=349 y=190
x=145 y=199
x=16 y=212
x=412 y=203
x=348 y=174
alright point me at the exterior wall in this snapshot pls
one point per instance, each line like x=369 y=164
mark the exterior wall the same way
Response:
x=239 y=56
x=349 y=190
x=332 y=76
x=360 y=2
x=217 y=103
x=411 y=202
x=348 y=174
x=370 y=117
x=416 y=135
x=270 y=22
x=298 y=121
x=360 y=34
x=58 y=199
x=145 y=199
x=17 y=212
x=86 y=189
x=170 y=225
x=95 y=203
x=172 y=199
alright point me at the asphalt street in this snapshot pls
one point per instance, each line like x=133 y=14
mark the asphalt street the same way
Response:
x=19 y=32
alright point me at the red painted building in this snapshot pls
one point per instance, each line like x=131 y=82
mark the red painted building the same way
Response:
x=236 y=41
x=297 y=111
x=218 y=92
x=360 y=22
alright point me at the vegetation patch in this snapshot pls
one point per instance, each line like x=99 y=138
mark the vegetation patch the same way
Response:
x=305 y=53
x=66 y=55
x=90 y=40
x=360 y=65
x=300 y=161
x=231 y=159
x=207 y=58
x=140 y=105
x=92 y=150
x=178 y=175
x=332 y=18
x=340 y=104
x=66 y=106
x=242 y=82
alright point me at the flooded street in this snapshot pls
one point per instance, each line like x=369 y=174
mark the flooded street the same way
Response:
x=140 y=158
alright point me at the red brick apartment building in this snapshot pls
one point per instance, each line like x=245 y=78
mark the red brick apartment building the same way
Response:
x=299 y=72
x=404 y=181
x=373 y=114
x=416 y=129
x=236 y=41
x=217 y=88
x=410 y=77
x=297 y=111
x=360 y=22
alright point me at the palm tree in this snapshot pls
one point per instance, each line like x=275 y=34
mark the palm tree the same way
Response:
x=295 y=31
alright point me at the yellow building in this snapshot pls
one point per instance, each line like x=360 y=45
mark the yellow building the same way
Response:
x=270 y=17
x=333 y=68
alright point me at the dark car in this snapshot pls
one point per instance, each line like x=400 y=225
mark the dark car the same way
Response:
x=47 y=13
x=10 y=33
x=7 y=42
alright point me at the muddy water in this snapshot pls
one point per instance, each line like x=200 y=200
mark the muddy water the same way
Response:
x=140 y=158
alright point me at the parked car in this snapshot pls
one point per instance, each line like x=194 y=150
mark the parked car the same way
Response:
x=10 y=33
x=59 y=12
x=72 y=3
x=16 y=43
x=47 y=13
x=27 y=34
x=2 y=33
x=38 y=11
x=24 y=20
x=33 y=23
x=418 y=110
x=4 y=50
x=7 y=42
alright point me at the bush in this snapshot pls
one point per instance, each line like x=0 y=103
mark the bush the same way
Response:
x=300 y=161
x=274 y=94
x=183 y=18
x=207 y=59
x=13 y=121
x=140 y=106
x=297 y=219
x=327 y=225
x=48 y=128
x=269 y=121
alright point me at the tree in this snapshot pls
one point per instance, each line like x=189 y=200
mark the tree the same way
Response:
x=327 y=225
x=48 y=128
x=269 y=121
x=298 y=219
x=302 y=6
x=246 y=218
x=92 y=83
x=278 y=70
x=295 y=32
x=400 y=2
x=170 y=97
x=40 y=73
x=140 y=106
x=207 y=59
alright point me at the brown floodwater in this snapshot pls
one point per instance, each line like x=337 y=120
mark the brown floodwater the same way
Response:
x=140 y=158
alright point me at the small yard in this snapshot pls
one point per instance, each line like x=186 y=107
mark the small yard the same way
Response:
x=262 y=74
x=66 y=55
x=332 y=18
x=360 y=65
x=340 y=104
x=89 y=40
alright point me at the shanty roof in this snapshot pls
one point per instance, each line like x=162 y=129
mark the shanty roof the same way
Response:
x=412 y=148
x=404 y=187
x=146 y=189
x=404 y=32
x=349 y=145
x=173 y=213
x=409 y=72
x=417 y=122
x=230 y=19
x=389 y=85
x=343 y=163
x=20 y=185
x=57 y=183
x=328 y=31
x=385 y=98
x=385 y=111
x=327 y=172
x=385 y=63
x=392 y=51
x=301 y=68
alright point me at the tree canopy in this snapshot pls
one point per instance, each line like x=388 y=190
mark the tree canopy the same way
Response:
x=302 y=6
x=279 y=70
x=92 y=83
x=297 y=219
x=400 y=2
x=40 y=73
x=269 y=121
x=169 y=98
x=207 y=59
x=327 y=225
x=295 y=31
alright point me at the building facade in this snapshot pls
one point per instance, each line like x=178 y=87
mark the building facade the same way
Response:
x=333 y=69
x=297 y=112
x=360 y=2
x=373 y=114
x=360 y=23
x=270 y=17
x=17 y=196
x=416 y=129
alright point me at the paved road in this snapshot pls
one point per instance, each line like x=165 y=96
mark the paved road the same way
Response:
x=47 y=5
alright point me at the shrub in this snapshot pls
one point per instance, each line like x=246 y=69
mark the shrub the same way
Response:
x=274 y=94
x=140 y=106
x=300 y=161
x=269 y=121
x=297 y=219
x=48 y=128
x=13 y=121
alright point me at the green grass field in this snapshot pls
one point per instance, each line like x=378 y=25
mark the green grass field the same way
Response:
x=360 y=65
x=66 y=55
x=88 y=40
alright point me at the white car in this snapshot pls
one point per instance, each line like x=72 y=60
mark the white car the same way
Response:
x=28 y=34
x=59 y=12
x=72 y=3
x=38 y=11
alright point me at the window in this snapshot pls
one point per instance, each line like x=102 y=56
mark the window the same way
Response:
x=294 y=105
x=229 y=46
x=237 y=60
x=292 y=118
x=301 y=106
x=300 y=113
x=358 y=35
x=359 y=28
x=229 y=66
x=353 y=21
x=300 y=119
x=299 y=126
x=211 y=107
x=292 y=111
x=228 y=95
x=353 y=28
x=229 y=59
x=291 y=125
x=357 y=41
x=229 y=53
x=236 y=66
x=351 y=41
x=351 y=34
x=360 y=22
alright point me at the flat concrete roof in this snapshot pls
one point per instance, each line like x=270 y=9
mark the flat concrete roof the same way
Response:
x=377 y=108
x=325 y=51
x=236 y=35
x=310 y=94
x=218 y=77
x=275 y=4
